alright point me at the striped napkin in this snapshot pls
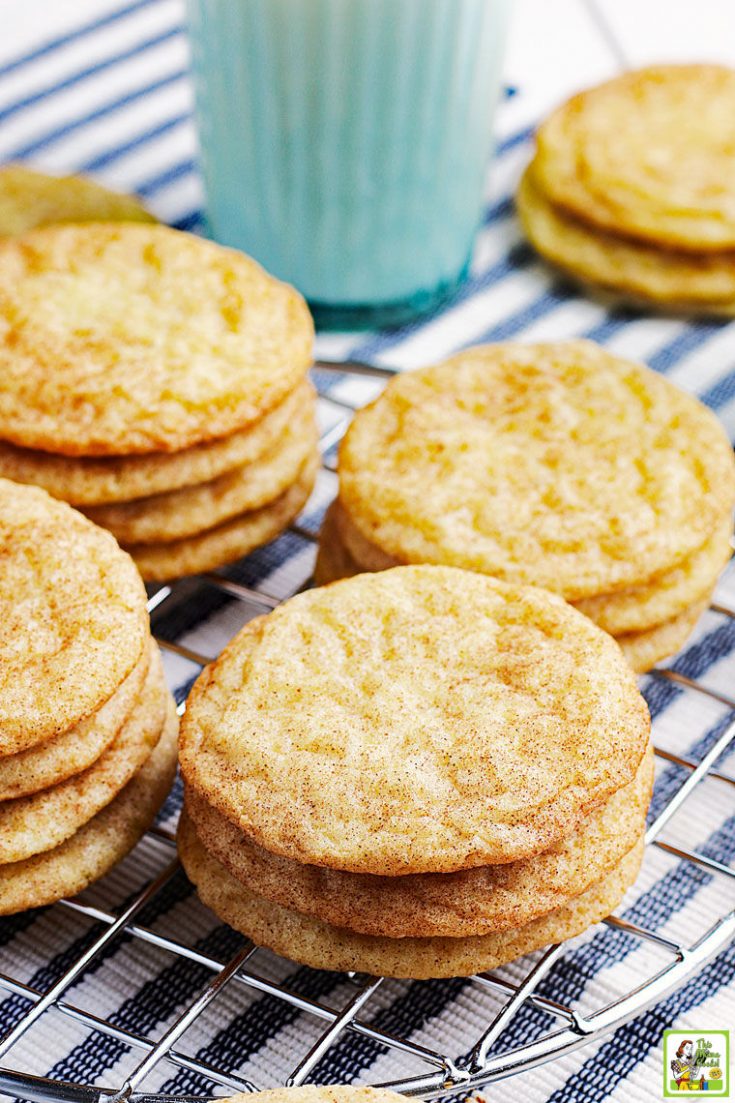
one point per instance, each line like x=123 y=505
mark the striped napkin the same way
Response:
x=108 y=94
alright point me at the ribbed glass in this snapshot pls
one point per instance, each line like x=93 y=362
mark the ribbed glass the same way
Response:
x=344 y=142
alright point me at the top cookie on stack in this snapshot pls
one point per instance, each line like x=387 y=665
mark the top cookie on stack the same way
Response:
x=632 y=188
x=157 y=381
x=556 y=464
x=29 y=199
x=421 y=772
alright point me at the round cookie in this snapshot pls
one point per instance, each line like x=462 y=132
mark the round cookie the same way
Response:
x=648 y=154
x=192 y=509
x=636 y=610
x=471 y=902
x=512 y=716
x=29 y=199
x=229 y=541
x=73 y=613
x=550 y=464
x=644 y=649
x=634 y=269
x=88 y=481
x=100 y=843
x=119 y=338
x=322 y=946
x=41 y=821
x=58 y=759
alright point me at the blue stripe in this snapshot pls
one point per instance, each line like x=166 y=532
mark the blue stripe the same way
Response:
x=84 y=74
x=56 y=134
x=168 y=176
x=721 y=392
x=515 y=323
x=689 y=340
x=75 y=35
x=103 y=160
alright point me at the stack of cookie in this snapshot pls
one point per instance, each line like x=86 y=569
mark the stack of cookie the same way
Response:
x=158 y=382
x=421 y=773
x=557 y=465
x=632 y=191
x=87 y=727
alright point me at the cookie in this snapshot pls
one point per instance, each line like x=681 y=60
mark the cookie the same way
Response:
x=555 y=464
x=666 y=596
x=73 y=617
x=182 y=513
x=644 y=649
x=29 y=199
x=229 y=541
x=41 y=821
x=471 y=902
x=648 y=154
x=100 y=843
x=122 y=338
x=511 y=714
x=330 y=1093
x=90 y=482
x=321 y=946
x=641 y=272
x=69 y=754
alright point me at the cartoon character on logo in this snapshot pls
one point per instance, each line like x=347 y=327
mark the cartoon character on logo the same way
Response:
x=686 y=1069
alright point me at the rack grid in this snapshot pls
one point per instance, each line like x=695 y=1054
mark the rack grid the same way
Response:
x=491 y=1056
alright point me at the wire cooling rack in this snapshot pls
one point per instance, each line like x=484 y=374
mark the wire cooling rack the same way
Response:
x=492 y=1053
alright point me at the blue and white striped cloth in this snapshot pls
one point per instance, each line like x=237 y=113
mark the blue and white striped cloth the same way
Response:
x=109 y=95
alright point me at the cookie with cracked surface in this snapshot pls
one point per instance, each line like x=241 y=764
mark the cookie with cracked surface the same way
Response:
x=511 y=715
x=648 y=154
x=73 y=617
x=470 y=902
x=120 y=338
x=322 y=946
x=556 y=464
x=100 y=843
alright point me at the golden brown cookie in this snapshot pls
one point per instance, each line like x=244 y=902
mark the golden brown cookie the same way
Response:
x=100 y=843
x=183 y=513
x=88 y=481
x=41 y=821
x=470 y=902
x=666 y=596
x=648 y=154
x=121 y=339
x=322 y=946
x=57 y=759
x=554 y=464
x=644 y=649
x=29 y=199
x=73 y=617
x=422 y=719
x=634 y=269
x=637 y=609
x=229 y=541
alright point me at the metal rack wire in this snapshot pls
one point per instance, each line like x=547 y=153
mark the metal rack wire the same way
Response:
x=491 y=1057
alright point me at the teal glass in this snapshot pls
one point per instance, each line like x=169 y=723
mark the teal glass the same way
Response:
x=344 y=143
